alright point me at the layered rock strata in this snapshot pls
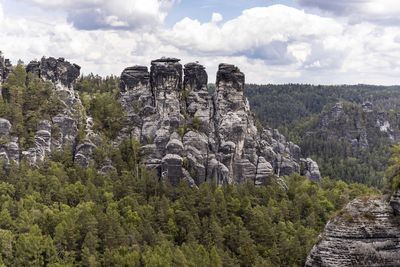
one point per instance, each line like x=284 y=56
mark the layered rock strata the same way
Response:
x=366 y=233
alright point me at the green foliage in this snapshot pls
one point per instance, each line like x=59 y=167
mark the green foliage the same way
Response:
x=107 y=114
x=393 y=170
x=99 y=97
x=296 y=111
x=97 y=84
x=26 y=100
x=182 y=130
x=62 y=215
x=196 y=123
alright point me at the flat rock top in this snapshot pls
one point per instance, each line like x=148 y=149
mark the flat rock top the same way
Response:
x=166 y=59
x=136 y=68
x=194 y=65
x=365 y=233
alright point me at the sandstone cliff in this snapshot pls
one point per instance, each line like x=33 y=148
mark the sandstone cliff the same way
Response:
x=365 y=233
x=185 y=132
x=62 y=130
x=188 y=133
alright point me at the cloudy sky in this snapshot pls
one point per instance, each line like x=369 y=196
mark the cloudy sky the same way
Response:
x=272 y=41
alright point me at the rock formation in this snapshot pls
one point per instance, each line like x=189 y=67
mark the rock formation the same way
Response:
x=358 y=125
x=366 y=233
x=62 y=130
x=187 y=133
x=5 y=68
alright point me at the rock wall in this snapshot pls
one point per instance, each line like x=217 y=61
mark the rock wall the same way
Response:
x=366 y=233
x=187 y=133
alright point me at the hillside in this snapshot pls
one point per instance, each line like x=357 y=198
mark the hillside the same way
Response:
x=348 y=130
x=92 y=172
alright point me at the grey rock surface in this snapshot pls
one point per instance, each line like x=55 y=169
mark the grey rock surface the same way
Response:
x=5 y=126
x=61 y=131
x=5 y=68
x=55 y=70
x=365 y=233
x=187 y=133
x=310 y=169
x=358 y=126
x=395 y=202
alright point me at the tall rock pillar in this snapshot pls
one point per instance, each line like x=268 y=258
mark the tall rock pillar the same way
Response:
x=166 y=87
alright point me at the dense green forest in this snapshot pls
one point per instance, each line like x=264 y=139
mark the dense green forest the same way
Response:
x=282 y=105
x=62 y=215
x=298 y=111
x=59 y=214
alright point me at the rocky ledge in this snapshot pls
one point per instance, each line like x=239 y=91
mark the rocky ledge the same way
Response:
x=365 y=233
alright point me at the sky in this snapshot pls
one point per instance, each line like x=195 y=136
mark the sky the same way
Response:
x=271 y=41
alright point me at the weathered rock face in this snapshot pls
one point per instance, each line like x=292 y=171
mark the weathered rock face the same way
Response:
x=5 y=68
x=395 y=202
x=366 y=233
x=55 y=70
x=358 y=125
x=187 y=133
x=9 y=149
x=62 y=130
x=310 y=169
x=2 y=69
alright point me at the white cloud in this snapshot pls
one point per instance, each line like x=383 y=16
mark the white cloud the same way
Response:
x=106 y=14
x=1 y=13
x=275 y=34
x=277 y=44
x=377 y=11
x=216 y=17
x=295 y=45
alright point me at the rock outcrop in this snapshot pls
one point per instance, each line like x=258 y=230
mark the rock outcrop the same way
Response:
x=310 y=169
x=187 y=133
x=366 y=233
x=5 y=68
x=62 y=130
x=358 y=125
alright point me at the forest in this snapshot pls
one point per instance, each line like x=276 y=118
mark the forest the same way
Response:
x=351 y=148
x=60 y=214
